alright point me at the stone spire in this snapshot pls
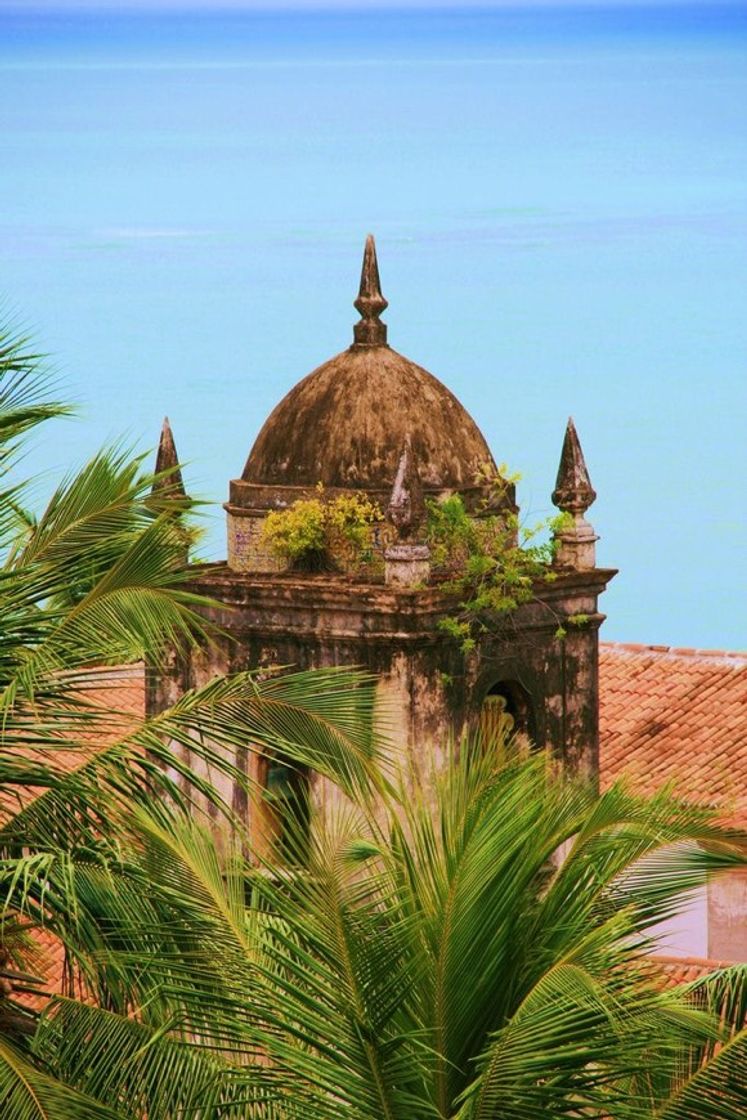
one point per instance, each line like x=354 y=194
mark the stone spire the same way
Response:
x=171 y=484
x=573 y=494
x=407 y=562
x=573 y=491
x=370 y=302
x=406 y=509
x=168 y=487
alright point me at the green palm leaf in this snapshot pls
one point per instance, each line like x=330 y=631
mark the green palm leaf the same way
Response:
x=28 y=1093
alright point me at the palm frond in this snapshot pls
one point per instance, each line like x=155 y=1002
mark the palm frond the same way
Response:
x=146 y=1071
x=709 y=1078
x=28 y=1093
x=24 y=385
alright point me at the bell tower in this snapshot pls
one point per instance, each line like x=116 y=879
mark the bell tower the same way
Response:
x=370 y=424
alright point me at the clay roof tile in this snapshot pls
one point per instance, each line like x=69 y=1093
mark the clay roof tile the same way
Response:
x=674 y=714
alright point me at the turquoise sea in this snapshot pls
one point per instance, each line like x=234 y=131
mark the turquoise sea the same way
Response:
x=560 y=203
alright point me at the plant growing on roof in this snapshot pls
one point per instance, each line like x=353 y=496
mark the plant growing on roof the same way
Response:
x=490 y=561
x=314 y=534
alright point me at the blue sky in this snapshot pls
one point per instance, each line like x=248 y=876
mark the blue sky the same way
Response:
x=561 y=222
x=361 y=5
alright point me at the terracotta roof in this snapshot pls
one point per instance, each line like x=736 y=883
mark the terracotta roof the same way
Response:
x=121 y=688
x=679 y=715
x=119 y=693
x=684 y=970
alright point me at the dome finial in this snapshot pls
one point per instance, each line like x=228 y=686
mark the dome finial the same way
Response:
x=370 y=302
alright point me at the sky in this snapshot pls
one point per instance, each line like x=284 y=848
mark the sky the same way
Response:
x=560 y=206
x=342 y=5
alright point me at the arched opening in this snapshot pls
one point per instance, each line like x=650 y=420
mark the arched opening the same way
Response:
x=507 y=710
x=286 y=810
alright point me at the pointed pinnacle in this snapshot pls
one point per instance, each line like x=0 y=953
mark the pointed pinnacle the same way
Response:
x=370 y=302
x=169 y=484
x=406 y=509
x=573 y=491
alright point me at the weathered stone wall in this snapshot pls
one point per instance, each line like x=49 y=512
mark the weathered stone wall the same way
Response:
x=428 y=691
x=247 y=552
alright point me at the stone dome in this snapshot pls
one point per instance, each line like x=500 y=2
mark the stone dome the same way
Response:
x=345 y=425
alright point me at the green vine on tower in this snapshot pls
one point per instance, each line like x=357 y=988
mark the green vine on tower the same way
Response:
x=490 y=561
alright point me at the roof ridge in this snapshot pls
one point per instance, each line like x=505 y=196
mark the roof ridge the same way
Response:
x=674 y=651
x=669 y=958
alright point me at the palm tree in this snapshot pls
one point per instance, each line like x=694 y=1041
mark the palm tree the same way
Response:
x=427 y=954
x=98 y=579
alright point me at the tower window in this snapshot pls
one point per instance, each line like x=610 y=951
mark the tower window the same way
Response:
x=506 y=710
x=286 y=814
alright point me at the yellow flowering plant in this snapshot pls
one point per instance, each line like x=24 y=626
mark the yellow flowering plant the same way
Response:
x=320 y=533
